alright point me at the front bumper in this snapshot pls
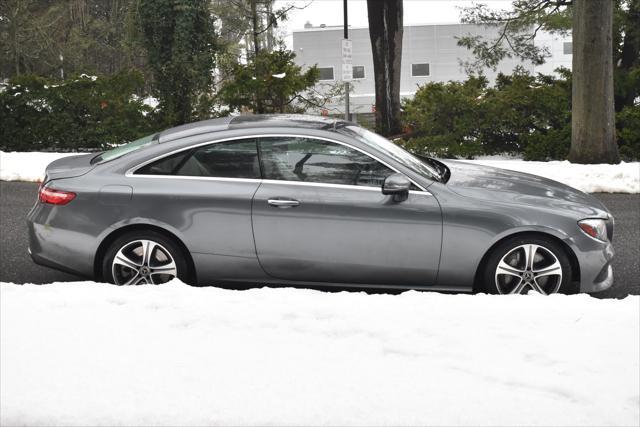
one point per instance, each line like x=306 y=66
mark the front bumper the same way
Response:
x=595 y=260
x=606 y=280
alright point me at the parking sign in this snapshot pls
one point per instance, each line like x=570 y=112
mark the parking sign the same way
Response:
x=347 y=65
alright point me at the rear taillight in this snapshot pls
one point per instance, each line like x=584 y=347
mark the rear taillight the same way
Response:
x=55 y=197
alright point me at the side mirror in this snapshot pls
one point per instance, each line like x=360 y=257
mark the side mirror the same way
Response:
x=397 y=185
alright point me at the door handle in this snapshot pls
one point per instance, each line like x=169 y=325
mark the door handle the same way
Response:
x=283 y=203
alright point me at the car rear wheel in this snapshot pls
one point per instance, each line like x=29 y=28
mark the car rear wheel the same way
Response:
x=522 y=264
x=145 y=257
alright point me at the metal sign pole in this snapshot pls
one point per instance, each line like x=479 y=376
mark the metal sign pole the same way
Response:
x=346 y=84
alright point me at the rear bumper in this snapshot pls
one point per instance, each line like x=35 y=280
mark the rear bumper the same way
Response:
x=52 y=264
x=58 y=248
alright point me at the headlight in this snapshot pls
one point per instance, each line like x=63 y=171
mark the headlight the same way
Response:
x=596 y=228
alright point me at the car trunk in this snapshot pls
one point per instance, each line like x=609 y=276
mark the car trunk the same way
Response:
x=69 y=167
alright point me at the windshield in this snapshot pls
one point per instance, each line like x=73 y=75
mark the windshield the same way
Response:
x=381 y=143
x=121 y=150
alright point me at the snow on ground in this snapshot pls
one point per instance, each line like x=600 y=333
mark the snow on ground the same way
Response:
x=96 y=354
x=622 y=178
x=19 y=166
x=601 y=178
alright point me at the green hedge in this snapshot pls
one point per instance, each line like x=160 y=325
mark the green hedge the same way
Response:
x=520 y=114
x=628 y=123
x=80 y=113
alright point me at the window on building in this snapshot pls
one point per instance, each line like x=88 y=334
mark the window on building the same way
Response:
x=568 y=48
x=420 y=70
x=312 y=160
x=326 y=73
x=229 y=159
x=358 y=72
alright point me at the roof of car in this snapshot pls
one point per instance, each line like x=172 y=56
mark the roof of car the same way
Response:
x=251 y=121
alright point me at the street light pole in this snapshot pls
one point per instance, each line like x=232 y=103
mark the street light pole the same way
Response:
x=346 y=84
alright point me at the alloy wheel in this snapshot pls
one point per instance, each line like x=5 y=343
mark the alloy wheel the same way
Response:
x=528 y=267
x=143 y=262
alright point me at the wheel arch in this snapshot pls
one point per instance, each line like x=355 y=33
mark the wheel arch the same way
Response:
x=113 y=235
x=573 y=259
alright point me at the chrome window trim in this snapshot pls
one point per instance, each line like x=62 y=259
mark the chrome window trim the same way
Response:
x=197 y=178
x=277 y=182
x=327 y=185
x=130 y=173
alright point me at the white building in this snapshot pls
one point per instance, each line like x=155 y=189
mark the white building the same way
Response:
x=430 y=53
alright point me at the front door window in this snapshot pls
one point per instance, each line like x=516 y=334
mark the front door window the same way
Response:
x=313 y=160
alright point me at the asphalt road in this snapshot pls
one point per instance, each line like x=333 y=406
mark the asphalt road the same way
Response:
x=16 y=198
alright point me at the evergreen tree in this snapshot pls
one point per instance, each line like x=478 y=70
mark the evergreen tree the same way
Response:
x=273 y=83
x=179 y=38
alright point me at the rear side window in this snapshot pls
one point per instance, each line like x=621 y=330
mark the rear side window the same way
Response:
x=165 y=166
x=229 y=159
x=121 y=150
x=312 y=160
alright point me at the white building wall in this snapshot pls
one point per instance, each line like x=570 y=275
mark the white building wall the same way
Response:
x=556 y=46
x=432 y=44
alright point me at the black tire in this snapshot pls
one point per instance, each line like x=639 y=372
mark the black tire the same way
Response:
x=515 y=250
x=166 y=243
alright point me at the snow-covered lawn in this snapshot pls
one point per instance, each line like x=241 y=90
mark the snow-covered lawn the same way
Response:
x=95 y=354
x=19 y=166
x=622 y=178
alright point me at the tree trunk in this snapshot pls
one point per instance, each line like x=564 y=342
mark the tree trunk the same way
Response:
x=593 y=138
x=270 y=34
x=256 y=51
x=14 y=33
x=385 y=31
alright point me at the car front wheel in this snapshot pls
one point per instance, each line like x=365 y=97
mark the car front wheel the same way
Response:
x=145 y=257
x=522 y=264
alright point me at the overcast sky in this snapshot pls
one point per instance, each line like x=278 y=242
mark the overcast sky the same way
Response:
x=329 y=12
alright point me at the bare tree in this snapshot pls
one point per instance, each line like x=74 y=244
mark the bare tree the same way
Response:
x=385 y=31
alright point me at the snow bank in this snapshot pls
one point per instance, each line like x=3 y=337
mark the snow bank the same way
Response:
x=622 y=178
x=602 y=178
x=18 y=166
x=94 y=354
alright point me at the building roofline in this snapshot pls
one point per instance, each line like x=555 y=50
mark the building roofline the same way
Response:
x=341 y=28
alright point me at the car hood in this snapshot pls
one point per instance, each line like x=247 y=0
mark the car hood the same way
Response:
x=490 y=183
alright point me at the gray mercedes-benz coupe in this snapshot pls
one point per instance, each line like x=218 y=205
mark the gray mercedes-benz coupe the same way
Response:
x=310 y=201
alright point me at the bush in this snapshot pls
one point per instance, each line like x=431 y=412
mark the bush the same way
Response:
x=554 y=144
x=466 y=119
x=80 y=113
x=436 y=146
x=628 y=123
x=522 y=109
x=446 y=118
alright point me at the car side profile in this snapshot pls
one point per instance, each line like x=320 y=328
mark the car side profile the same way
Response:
x=302 y=200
